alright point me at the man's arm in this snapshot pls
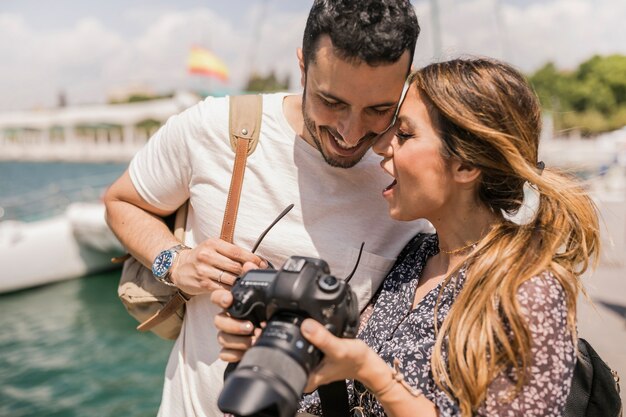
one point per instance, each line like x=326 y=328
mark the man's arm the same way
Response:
x=139 y=227
x=137 y=224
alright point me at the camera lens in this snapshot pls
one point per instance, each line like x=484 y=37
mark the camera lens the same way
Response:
x=328 y=283
x=271 y=376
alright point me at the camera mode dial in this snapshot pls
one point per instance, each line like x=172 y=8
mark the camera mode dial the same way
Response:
x=328 y=283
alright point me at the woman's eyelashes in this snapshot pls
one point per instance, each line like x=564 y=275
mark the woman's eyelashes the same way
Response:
x=403 y=135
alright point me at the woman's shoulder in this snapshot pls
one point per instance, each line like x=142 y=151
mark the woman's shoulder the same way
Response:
x=418 y=242
x=542 y=292
x=412 y=255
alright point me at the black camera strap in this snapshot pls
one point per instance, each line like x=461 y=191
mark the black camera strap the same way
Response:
x=334 y=399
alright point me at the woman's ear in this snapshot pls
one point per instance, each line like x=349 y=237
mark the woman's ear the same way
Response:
x=464 y=173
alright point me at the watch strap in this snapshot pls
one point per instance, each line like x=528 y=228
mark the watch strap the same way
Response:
x=178 y=248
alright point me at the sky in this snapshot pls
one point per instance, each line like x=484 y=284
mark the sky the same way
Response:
x=91 y=50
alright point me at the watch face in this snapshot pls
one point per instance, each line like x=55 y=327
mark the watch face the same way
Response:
x=162 y=264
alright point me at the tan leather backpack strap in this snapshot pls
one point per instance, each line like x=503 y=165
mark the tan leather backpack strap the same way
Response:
x=171 y=307
x=245 y=115
x=245 y=127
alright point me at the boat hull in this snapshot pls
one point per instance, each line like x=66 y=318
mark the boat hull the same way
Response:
x=55 y=249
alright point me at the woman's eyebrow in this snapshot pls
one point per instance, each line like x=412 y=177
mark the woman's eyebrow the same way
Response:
x=407 y=121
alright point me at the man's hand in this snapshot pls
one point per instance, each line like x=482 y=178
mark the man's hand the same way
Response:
x=212 y=265
x=235 y=336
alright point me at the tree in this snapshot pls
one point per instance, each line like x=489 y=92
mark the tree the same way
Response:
x=591 y=99
x=269 y=83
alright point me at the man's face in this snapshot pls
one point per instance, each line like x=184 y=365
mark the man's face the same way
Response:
x=346 y=105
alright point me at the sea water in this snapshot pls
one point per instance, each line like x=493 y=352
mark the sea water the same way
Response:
x=70 y=348
x=31 y=191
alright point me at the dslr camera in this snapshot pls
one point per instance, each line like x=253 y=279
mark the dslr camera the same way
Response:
x=272 y=374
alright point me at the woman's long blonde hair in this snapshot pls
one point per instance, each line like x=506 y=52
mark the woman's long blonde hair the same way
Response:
x=489 y=116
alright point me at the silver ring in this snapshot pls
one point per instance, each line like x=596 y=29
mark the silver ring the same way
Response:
x=219 y=278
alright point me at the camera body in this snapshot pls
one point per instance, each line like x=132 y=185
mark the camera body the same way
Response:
x=272 y=375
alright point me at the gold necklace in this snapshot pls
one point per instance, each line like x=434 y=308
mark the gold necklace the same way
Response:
x=458 y=250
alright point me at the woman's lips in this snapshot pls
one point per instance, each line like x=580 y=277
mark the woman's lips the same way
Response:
x=390 y=186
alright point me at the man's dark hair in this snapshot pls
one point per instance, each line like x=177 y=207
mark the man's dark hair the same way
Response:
x=371 y=31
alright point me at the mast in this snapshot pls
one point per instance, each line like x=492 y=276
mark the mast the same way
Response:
x=501 y=30
x=434 y=15
x=256 y=37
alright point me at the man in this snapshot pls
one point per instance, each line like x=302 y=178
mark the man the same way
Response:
x=354 y=60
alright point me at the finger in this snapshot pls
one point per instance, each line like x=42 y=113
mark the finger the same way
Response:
x=230 y=325
x=235 y=342
x=222 y=298
x=318 y=335
x=315 y=379
x=228 y=355
x=249 y=266
x=223 y=277
x=235 y=253
x=214 y=262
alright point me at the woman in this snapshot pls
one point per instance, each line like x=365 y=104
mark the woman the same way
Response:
x=479 y=319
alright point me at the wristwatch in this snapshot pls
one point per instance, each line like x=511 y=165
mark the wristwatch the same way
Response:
x=162 y=265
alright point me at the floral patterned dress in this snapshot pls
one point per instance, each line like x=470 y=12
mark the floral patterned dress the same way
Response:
x=396 y=331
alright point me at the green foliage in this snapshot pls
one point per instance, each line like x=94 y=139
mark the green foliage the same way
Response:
x=591 y=99
x=269 y=83
x=138 y=97
x=149 y=124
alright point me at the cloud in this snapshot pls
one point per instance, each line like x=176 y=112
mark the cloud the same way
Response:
x=527 y=34
x=90 y=58
x=37 y=66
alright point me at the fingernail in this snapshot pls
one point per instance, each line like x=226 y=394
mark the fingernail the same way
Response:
x=307 y=327
x=246 y=327
x=225 y=300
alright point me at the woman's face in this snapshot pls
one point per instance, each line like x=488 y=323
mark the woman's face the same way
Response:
x=412 y=155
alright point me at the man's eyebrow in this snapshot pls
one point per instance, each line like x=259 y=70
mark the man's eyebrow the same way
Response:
x=338 y=99
x=331 y=96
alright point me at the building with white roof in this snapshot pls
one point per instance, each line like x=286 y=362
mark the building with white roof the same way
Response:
x=108 y=132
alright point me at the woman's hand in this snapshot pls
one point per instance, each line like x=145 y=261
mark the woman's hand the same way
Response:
x=343 y=358
x=353 y=359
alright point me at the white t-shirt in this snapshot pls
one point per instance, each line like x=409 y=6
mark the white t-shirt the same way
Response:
x=335 y=210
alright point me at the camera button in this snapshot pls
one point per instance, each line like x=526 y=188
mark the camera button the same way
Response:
x=294 y=264
x=328 y=283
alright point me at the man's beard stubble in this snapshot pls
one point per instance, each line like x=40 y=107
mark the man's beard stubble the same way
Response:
x=311 y=128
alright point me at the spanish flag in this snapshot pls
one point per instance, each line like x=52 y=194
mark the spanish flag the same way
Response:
x=203 y=62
